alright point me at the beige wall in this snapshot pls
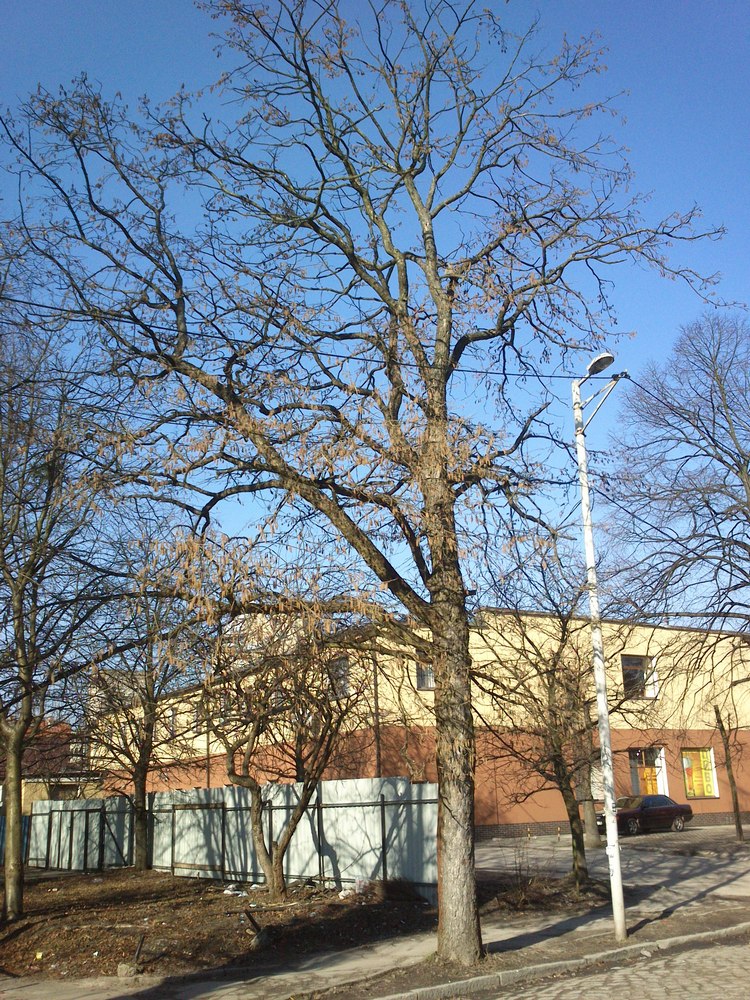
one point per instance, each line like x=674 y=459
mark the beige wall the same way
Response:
x=394 y=731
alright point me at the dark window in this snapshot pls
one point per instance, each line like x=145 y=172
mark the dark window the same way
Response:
x=663 y=800
x=339 y=676
x=637 y=680
x=425 y=678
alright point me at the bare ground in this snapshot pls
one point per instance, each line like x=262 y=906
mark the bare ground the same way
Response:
x=79 y=926
x=85 y=925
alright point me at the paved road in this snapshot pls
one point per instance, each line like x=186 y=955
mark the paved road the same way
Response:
x=719 y=971
x=659 y=878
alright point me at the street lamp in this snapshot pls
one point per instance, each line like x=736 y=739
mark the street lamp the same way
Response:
x=599 y=364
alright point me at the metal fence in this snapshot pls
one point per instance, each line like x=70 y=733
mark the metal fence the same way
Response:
x=25 y=826
x=359 y=829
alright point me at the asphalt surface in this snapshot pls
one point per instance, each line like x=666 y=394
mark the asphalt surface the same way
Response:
x=667 y=876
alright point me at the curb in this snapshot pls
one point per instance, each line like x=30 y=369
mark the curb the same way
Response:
x=531 y=973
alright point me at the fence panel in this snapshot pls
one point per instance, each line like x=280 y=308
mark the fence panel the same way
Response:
x=198 y=839
x=39 y=832
x=77 y=854
x=25 y=835
x=351 y=844
x=353 y=829
x=303 y=859
x=59 y=840
x=240 y=861
x=116 y=832
x=161 y=836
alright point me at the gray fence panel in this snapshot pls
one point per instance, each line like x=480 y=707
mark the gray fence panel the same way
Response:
x=421 y=832
x=38 y=832
x=117 y=832
x=303 y=857
x=25 y=834
x=198 y=839
x=351 y=845
x=93 y=829
x=352 y=825
x=161 y=851
x=240 y=861
x=59 y=840
x=77 y=855
x=206 y=832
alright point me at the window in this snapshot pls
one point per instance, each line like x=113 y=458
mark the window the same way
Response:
x=638 y=676
x=425 y=677
x=79 y=754
x=700 y=774
x=647 y=771
x=339 y=676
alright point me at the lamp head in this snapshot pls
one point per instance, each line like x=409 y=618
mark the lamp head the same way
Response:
x=599 y=363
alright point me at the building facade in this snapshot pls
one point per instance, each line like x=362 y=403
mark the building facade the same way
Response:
x=671 y=691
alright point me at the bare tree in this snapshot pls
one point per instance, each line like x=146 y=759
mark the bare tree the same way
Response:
x=131 y=723
x=728 y=732
x=279 y=698
x=402 y=204
x=533 y=675
x=687 y=440
x=54 y=585
x=686 y=456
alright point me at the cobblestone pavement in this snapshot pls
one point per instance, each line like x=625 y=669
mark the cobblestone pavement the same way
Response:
x=721 y=971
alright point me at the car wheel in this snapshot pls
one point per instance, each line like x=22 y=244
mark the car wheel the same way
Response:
x=679 y=824
x=634 y=826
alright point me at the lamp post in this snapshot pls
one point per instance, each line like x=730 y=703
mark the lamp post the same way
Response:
x=596 y=366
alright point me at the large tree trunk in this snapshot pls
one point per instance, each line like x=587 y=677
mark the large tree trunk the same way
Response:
x=13 y=899
x=459 y=935
x=591 y=836
x=140 y=820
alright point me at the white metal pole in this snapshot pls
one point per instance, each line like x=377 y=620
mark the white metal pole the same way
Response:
x=600 y=678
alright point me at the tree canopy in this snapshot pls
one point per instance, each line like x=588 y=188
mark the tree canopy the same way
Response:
x=326 y=289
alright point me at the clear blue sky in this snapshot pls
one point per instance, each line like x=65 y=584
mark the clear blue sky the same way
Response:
x=684 y=64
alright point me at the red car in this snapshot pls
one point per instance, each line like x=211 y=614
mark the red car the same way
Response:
x=643 y=813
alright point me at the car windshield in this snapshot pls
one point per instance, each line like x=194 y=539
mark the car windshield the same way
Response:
x=629 y=802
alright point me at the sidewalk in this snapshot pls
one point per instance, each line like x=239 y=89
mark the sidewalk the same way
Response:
x=680 y=890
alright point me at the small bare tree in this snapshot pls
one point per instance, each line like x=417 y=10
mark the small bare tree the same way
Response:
x=727 y=729
x=681 y=504
x=533 y=672
x=279 y=699
x=130 y=721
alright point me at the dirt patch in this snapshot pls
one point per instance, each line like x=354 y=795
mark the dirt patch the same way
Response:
x=538 y=894
x=85 y=925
